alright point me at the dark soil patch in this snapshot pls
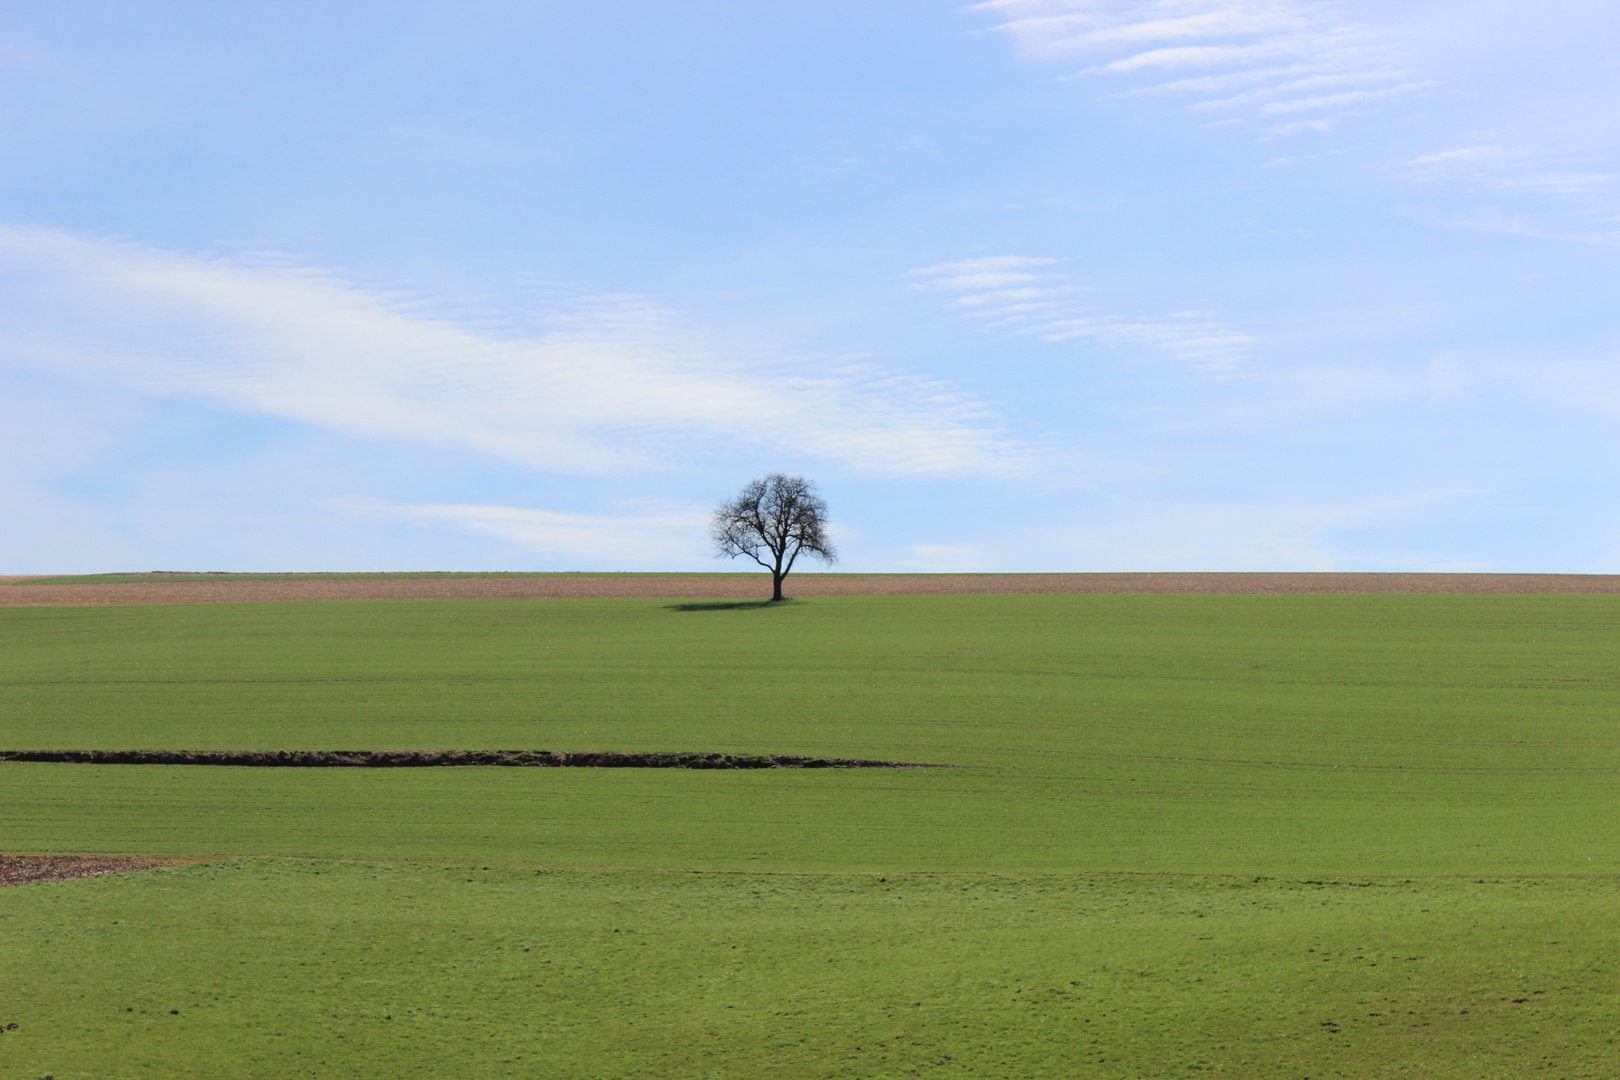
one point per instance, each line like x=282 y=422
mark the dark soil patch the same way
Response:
x=27 y=869
x=384 y=759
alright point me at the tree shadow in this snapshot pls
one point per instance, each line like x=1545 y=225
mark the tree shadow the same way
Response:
x=720 y=605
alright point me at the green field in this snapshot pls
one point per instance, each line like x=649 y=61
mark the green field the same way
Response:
x=1259 y=836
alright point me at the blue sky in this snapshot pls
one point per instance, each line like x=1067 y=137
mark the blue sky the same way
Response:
x=1055 y=285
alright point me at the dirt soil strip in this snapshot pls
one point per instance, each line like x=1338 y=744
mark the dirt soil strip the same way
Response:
x=393 y=759
x=27 y=869
x=229 y=589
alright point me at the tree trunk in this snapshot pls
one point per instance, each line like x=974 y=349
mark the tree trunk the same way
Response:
x=776 y=585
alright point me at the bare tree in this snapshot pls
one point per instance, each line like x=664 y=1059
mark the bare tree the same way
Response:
x=773 y=521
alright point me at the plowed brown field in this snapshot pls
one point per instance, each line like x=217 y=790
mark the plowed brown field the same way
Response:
x=234 y=589
x=27 y=869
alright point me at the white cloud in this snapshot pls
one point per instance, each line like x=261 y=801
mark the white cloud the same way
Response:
x=1540 y=138
x=1046 y=306
x=1286 y=96
x=1516 y=172
x=1281 y=49
x=944 y=559
x=1463 y=157
x=661 y=537
x=1191 y=337
x=1556 y=179
x=975 y=282
x=1277 y=536
x=993 y=262
x=616 y=385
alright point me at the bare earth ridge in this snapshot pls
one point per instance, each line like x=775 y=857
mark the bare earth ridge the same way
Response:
x=133 y=589
x=28 y=869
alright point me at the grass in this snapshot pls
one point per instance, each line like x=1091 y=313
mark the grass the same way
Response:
x=1257 y=735
x=1406 y=776
x=339 y=969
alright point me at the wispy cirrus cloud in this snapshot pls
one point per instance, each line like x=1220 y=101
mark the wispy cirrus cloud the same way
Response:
x=1283 y=65
x=1028 y=296
x=663 y=535
x=1545 y=195
x=1517 y=172
x=1287 y=535
x=614 y=384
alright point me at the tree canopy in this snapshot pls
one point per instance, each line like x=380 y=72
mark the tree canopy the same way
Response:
x=773 y=521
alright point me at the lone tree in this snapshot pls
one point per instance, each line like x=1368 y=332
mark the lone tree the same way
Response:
x=773 y=521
